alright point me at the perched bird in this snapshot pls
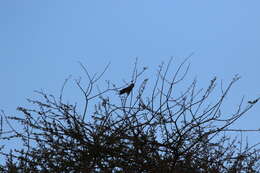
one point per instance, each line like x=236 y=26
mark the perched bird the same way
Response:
x=127 y=89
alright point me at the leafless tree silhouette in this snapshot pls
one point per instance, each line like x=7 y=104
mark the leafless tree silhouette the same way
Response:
x=158 y=128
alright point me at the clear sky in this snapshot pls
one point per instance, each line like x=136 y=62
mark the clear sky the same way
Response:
x=41 y=42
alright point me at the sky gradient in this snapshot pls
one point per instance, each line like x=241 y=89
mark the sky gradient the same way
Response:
x=41 y=43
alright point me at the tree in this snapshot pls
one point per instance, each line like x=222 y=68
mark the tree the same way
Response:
x=152 y=129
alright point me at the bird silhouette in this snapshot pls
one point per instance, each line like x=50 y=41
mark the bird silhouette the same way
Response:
x=127 y=89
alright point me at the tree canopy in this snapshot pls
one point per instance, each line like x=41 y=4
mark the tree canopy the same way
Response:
x=157 y=124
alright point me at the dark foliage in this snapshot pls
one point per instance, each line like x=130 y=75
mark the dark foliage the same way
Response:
x=149 y=130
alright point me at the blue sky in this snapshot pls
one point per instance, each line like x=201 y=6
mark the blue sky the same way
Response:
x=42 y=41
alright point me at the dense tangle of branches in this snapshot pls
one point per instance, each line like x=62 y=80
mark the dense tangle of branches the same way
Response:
x=155 y=127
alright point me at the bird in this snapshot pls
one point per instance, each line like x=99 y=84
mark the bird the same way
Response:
x=127 y=89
